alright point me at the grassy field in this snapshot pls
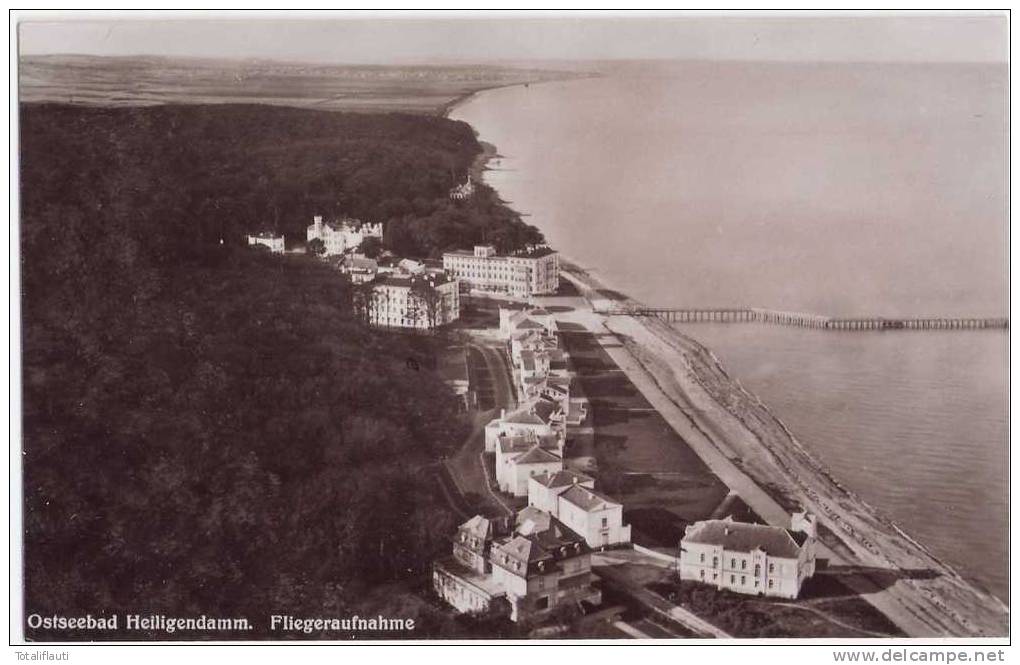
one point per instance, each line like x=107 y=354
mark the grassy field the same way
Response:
x=641 y=459
x=826 y=608
x=140 y=81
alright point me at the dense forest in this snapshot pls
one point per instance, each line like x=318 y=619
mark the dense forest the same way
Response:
x=218 y=172
x=209 y=429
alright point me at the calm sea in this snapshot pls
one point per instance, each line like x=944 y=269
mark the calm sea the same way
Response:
x=839 y=189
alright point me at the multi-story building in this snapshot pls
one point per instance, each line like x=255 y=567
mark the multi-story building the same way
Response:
x=342 y=235
x=273 y=241
x=412 y=301
x=520 y=275
x=518 y=458
x=359 y=268
x=464 y=579
x=538 y=567
x=571 y=498
x=750 y=558
x=544 y=489
x=598 y=518
x=543 y=566
x=523 y=421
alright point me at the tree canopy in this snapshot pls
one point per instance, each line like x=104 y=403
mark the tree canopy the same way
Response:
x=209 y=429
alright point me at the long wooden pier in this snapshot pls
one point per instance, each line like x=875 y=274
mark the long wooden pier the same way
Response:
x=802 y=320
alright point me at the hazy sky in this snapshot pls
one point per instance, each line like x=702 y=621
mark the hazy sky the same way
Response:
x=329 y=38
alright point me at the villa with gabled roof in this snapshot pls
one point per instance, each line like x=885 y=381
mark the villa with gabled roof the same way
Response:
x=518 y=458
x=522 y=421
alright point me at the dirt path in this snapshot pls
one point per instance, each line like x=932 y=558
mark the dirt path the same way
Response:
x=612 y=569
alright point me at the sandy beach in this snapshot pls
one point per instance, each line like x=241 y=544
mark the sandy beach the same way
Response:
x=757 y=457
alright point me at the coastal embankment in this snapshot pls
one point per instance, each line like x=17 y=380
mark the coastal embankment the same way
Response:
x=757 y=457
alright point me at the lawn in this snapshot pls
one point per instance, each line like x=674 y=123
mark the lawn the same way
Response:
x=826 y=609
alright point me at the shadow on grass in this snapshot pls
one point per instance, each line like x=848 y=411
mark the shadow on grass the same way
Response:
x=832 y=581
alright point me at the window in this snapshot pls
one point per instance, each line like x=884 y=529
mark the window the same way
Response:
x=770 y=584
x=542 y=603
x=605 y=522
x=733 y=563
x=702 y=573
x=743 y=580
x=715 y=562
x=772 y=567
x=702 y=557
x=743 y=564
x=733 y=579
x=757 y=569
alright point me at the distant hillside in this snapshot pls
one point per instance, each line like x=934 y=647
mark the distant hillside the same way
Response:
x=146 y=81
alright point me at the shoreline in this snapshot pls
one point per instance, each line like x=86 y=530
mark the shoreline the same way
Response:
x=755 y=455
x=745 y=435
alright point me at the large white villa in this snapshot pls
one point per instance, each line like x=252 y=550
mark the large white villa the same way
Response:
x=750 y=558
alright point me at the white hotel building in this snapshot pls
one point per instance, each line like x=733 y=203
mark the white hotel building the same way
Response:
x=519 y=275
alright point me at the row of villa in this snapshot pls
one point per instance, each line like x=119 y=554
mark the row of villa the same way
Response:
x=544 y=560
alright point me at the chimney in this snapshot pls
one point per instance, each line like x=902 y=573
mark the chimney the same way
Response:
x=502 y=414
x=726 y=530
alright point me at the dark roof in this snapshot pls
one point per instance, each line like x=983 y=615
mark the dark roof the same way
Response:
x=531 y=520
x=743 y=537
x=537 y=455
x=477 y=526
x=544 y=409
x=588 y=499
x=360 y=263
x=514 y=444
x=563 y=478
x=406 y=281
x=523 y=417
x=553 y=543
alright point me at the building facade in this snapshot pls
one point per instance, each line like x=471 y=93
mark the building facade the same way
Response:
x=544 y=566
x=342 y=235
x=520 y=275
x=412 y=301
x=274 y=242
x=598 y=518
x=750 y=558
